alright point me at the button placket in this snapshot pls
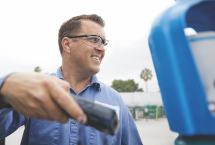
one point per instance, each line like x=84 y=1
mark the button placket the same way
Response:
x=73 y=132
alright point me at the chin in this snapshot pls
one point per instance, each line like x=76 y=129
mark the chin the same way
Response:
x=96 y=70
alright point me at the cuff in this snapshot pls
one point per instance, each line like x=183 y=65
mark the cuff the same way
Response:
x=3 y=79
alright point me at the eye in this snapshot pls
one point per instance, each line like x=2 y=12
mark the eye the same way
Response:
x=93 y=39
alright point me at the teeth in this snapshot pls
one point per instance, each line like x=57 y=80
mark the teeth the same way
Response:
x=96 y=58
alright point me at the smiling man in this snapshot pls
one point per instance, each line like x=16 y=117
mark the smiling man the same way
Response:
x=31 y=99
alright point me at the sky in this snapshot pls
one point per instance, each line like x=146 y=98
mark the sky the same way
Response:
x=29 y=35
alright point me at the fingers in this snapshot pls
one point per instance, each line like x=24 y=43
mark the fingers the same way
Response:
x=54 y=110
x=67 y=103
x=50 y=109
x=42 y=96
x=30 y=109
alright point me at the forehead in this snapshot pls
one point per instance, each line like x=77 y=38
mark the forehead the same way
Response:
x=91 y=28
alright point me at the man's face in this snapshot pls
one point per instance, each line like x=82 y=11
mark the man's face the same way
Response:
x=87 y=58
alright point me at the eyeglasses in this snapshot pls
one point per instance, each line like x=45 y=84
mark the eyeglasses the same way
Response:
x=93 y=40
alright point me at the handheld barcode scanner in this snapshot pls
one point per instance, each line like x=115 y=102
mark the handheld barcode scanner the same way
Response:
x=185 y=68
x=99 y=117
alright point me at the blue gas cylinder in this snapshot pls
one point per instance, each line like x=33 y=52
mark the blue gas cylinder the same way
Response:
x=180 y=69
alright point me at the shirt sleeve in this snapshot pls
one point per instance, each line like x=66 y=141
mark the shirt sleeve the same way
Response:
x=10 y=120
x=130 y=135
x=3 y=79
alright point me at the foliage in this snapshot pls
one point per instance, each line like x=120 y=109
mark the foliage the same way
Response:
x=146 y=75
x=125 y=86
x=37 y=69
x=140 y=90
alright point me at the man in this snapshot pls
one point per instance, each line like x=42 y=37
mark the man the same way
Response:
x=82 y=45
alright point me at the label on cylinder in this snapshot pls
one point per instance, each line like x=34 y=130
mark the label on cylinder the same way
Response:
x=203 y=50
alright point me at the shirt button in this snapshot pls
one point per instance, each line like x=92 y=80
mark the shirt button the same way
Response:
x=74 y=122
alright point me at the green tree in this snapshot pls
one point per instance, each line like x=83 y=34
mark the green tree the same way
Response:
x=146 y=75
x=140 y=90
x=37 y=69
x=125 y=86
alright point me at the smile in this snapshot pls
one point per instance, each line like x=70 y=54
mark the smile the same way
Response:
x=96 y=58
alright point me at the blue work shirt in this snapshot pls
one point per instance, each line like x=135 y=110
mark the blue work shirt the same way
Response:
x=42 y=132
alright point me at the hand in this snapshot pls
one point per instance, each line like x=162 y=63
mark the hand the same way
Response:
x=41 y=96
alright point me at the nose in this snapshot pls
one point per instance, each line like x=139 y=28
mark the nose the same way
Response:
x=100 y=48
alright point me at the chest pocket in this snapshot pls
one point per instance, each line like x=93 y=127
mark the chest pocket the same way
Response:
x=43 y=132
x=100 y=138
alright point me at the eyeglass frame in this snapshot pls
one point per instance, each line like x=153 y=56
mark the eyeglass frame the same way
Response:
x=103 y=40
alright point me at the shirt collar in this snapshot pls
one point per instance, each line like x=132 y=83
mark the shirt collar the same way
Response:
x=94 y=79
x=59 y=73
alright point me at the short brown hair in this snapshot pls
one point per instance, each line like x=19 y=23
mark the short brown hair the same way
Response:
x=73 y=26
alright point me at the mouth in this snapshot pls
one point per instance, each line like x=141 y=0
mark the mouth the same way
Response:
x=95 y=57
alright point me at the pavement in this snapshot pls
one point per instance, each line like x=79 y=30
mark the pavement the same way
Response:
x=155 y=132
x=152 y=132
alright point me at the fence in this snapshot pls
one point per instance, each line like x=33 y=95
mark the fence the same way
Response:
x=149 y=111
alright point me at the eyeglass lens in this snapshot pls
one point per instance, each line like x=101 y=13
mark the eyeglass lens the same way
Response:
x=95 y=41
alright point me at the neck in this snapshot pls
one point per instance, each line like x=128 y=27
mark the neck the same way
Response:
x=75 y=78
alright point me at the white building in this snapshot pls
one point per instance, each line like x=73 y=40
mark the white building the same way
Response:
x=142 y=98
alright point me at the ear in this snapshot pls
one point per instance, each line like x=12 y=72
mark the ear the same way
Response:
x=66 y=44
